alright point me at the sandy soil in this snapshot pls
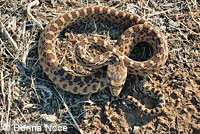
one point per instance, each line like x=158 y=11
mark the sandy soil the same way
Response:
x=29 y=98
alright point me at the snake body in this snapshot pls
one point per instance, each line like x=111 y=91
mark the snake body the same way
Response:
x=137 y=30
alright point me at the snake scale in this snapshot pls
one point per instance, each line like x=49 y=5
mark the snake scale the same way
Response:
x=137 y=30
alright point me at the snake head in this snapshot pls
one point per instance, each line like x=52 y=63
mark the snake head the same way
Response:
x=116 y=75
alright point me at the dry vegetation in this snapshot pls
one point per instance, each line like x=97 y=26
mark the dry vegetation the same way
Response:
x=27 y=96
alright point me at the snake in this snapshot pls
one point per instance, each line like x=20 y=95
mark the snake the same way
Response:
x=97 y=76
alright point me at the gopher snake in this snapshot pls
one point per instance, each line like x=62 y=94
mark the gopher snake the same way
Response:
x=138 y=30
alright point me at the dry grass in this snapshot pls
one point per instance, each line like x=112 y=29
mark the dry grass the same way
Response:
x=28 y=97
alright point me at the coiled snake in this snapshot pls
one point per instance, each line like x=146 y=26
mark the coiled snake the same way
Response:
x=137 y=30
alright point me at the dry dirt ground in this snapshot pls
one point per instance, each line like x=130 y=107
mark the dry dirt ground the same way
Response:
x=28 y=98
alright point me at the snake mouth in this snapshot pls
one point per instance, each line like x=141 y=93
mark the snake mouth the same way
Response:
x=115 y=89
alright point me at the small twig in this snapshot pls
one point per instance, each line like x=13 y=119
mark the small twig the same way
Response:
x=7 y=50
x=157 y=13
x=9 y=37
x=63 y=58
x=21 y=112
x=89 y=101
x=30 y=5
x=25 y=55
x=149 y=79
x=76 y=124
x=4 y=77
x=24 y=30
x=2 y=118
x=78 y=41
x=2 y=87
x=33 y=86
x=46 y=90
x=67 y=108
x=95 y=26
x=9 y=101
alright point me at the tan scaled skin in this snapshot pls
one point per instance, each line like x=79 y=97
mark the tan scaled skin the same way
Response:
x=137 y=29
